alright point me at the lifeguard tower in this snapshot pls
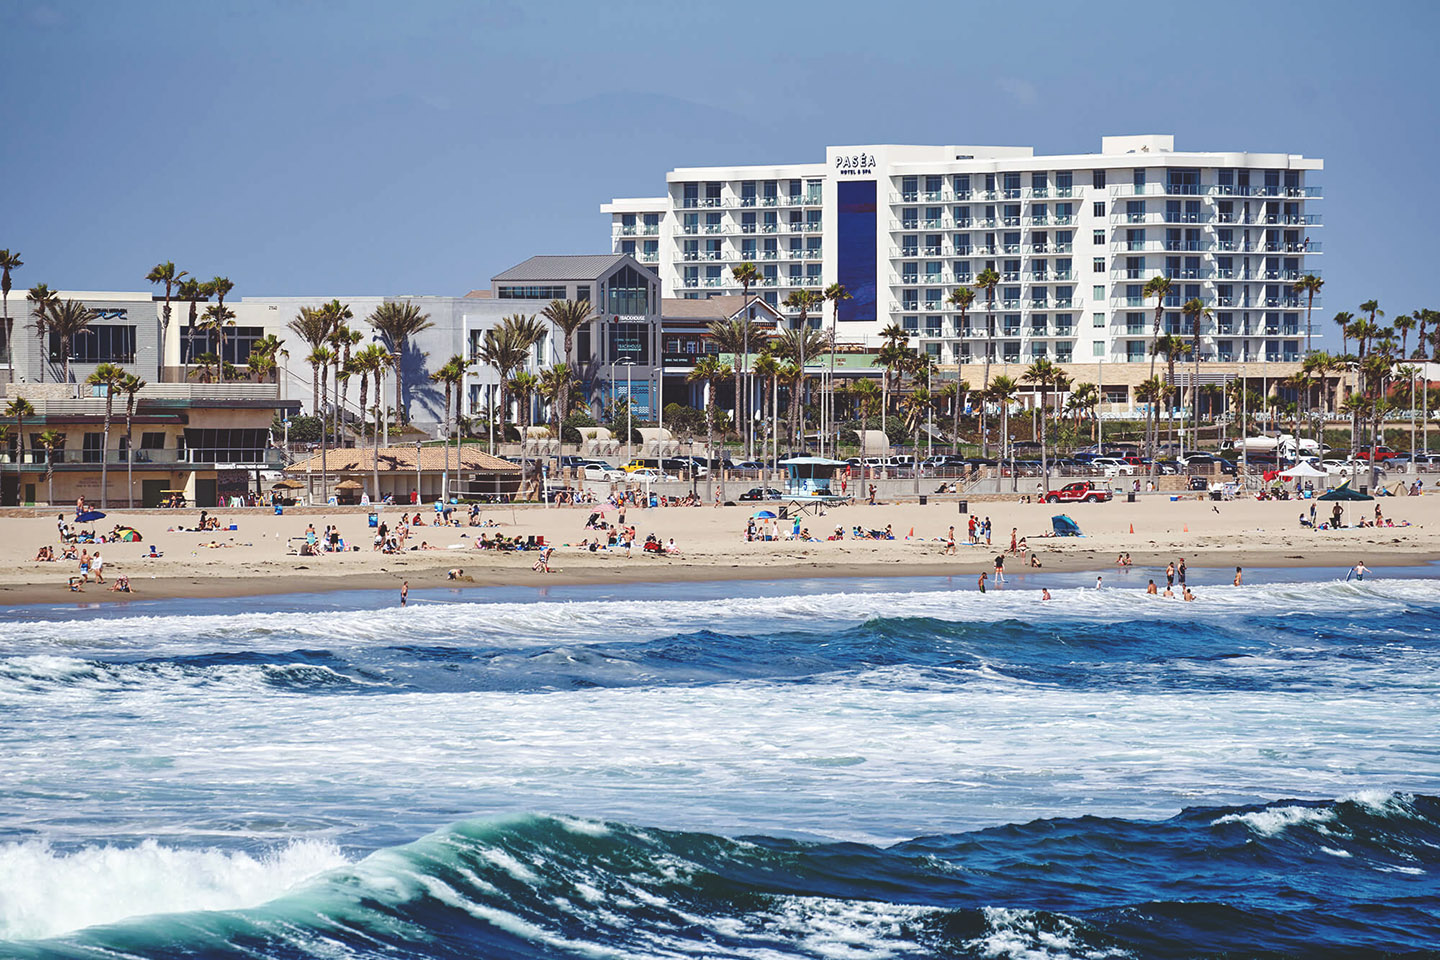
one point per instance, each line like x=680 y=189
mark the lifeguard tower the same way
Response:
x=810 y=478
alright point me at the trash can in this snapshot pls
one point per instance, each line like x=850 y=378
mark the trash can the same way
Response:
x=1130 y=497
x=924 y=499
x=964 y=506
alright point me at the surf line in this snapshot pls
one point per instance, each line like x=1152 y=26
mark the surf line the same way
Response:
x=420 y=600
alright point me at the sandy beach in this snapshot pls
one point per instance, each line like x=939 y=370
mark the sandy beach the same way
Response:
x=259 y=556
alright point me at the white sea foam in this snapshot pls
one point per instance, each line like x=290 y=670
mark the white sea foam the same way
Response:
x=1272 y=821
x=1022 y=935
x=45 y=892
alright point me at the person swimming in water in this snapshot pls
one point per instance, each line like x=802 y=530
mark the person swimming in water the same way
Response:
x=1188 y=595
x=1152 y=589
x=1044 y=593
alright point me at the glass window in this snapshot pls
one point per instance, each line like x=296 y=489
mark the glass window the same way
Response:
x=1098 y=265
x=1097 y=292
x=1097 y=179
x=98 y=344
x=629 y=293
x=1098 y=238
x=1097 y=349
x=1098 y=319
x=531 y=292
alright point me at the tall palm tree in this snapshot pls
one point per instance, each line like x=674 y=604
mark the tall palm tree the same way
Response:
x=1403 y=324
x=961 y=298
x=312 y=325
x=524 y=385
x=42 y=300
x=341 y=341
x=835 y=293
x=18 y=409
x=396 y=324
x=1195 y=309
x=9 y=261
x=804 y=301
x=167 y=274
x=130 y=385
x=555 y=383
x=363 y=364
x=264 y=359
x=220 y=288
x=710 y=372
x=1002 y=392
x=568 y=316
x=1308 y=285
x=192 y=291
x=452 y=374
x=109 y=376
x=1158 y=287
x=506 y=349
x=67 y=320
x=792 y=345
x=732 y=337
x=747 y=276
x=1173 y=347
x=767 y=368
x=51 y=440
x=217 y=317
x=1045 y=375
x=1152 y=393
x=986 y=280
x=1083 y=400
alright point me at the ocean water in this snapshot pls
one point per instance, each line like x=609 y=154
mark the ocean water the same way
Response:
x=821 y=769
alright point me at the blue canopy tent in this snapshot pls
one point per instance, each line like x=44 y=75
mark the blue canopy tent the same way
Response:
x=1065 y=527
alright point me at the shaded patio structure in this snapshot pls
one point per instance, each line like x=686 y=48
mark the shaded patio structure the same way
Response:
x=407 y=469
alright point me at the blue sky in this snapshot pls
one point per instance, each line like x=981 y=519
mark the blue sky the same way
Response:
x=314 y=147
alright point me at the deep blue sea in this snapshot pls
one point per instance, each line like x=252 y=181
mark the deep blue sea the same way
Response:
x=838 y=769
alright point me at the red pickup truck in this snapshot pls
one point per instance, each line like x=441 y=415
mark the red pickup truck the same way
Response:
x=1076 y=492
x=1382 y=453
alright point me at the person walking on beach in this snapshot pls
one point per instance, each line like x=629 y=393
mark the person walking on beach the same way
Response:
x=97 y=567
x=987 y=531
x=950 y=543
x=1238 y=573
x=404 y=592
x=1014 y=541
x=85 y=565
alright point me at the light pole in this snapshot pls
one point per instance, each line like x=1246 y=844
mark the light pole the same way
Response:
x=1014 y=480
x=627 y=363
x=417 y=472
x=1100 y=407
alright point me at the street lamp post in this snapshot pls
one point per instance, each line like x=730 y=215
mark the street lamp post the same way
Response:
x=627 y=363
x=418 y=497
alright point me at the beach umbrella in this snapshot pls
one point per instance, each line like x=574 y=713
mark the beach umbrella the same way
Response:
x=763 y=515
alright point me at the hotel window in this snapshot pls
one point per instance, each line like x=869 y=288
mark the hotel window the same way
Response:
x=690 y=194
x=1139 y=176
x=909 y=188
x=627 y=247
x=1012 y=184
x=1098 y=238
x=1097 y=319
x=1098 y=265
x=812 y=248
x=747 y=193
x=1097 y=292
x=712 y=194
x=961 y=185
x=910 y=324
x=652 y=222
x=1098 y=208
x=1097 y=349
x=107 y=344
x=1097 y=179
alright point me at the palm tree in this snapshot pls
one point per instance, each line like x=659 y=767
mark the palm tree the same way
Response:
x=1195 y=309
x=217 y=317
x=732 y=337
x=42 y=301
x=555 y=384
x=312 y=325
x=67 y=320
x=1045 y=375
x=954 y=393
x=1158 y=287
x=1308 y=285
x=19 y=409
x=1002 y=392
x=396 y=324
x=767 y=368
x=220 y=288
x=504 y=348
x=109 y=376
x=792 y=345
x=363 y=364
x=804 y=301
x=835 y=293
x=51 y=440
x=452 y=374
x=167 y=274
x=9 y=261
x=1173 y=347
x=192 y=291
x=986 y=280
x=569 y=316
x=341 y=341
x=130 y=385
x=1151 y=392
x=747 y=276
x=961 y=298
x=264 y=359
x=524 y=385
x=1083 y=400
x=710 y=372
x=1403 y=324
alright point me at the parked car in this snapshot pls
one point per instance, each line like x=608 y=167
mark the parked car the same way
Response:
x=1113 y=467
x=570 y=460
x=651 y=475
x=1382 y=453
x=762 y=493
x=748 y=465
x=1082 y=491
x=602 y=472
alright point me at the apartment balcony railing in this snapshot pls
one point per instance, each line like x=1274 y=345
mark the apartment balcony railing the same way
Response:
x=650 y=230
x=713 y=282
x=1010 y=276
x=1038 y=193
x=768 y=255
x=1040 y=221
x=1010 y=248
x=714 y=228
x=932 y=251
x=747 y=228
x=910 y=224
x=813 y=255
x=1010 y=221
x=933 y=224
x=690 y=229
x=1306 y=246
x=1011 y=193
x=933 y=196
x=986 y=223
x=963 y=223
x=1007 y=304
x=648 y=257
x=629 y=231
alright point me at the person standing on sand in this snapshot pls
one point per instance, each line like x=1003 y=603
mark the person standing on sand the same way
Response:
x=950 y=543
x=1238 y=571
x=404 y=592
x=85 y=565
x=1014 y=541
x=987 y=531
x=972 y=525
x=97 y=566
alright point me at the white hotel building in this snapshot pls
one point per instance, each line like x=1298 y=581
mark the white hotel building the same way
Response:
x=1073 y=237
